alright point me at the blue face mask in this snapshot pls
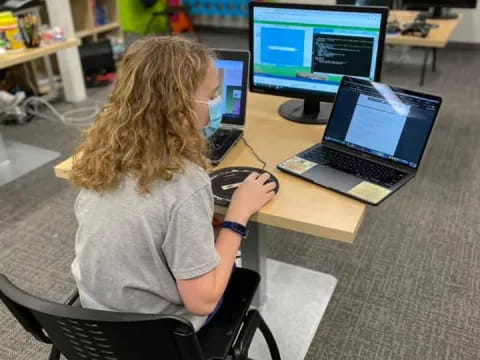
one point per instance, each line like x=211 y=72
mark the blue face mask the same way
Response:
x=216 y=114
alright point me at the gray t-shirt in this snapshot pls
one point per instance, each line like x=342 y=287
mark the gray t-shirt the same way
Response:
x=128 y=245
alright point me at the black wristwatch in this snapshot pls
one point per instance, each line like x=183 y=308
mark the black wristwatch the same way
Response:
x=236 y=228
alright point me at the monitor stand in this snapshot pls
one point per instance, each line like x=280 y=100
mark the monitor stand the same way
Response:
x=442 y=13
x=306 y=111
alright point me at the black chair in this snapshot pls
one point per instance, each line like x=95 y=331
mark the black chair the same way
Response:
x=81 y=334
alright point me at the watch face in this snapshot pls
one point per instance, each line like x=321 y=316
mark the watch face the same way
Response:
x=225 y=181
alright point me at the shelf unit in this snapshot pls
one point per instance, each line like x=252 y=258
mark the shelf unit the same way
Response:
x=84 y=19
x=85 y=30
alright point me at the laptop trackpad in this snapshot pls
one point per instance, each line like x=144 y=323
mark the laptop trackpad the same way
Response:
x=331 y=178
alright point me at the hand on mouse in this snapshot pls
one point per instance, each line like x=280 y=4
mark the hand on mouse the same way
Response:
x=250 y=197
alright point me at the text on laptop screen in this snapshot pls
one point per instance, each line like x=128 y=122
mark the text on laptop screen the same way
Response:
x=382 y=121
x=230 y=74
x=310 y=50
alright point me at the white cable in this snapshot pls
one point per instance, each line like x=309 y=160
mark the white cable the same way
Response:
x=35 y=101
x=80 y=117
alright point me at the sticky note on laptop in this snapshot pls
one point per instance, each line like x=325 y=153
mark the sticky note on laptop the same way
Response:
x=370 y=192
x=298 y=165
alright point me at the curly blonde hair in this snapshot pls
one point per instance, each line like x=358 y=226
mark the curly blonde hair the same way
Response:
x=149 y=127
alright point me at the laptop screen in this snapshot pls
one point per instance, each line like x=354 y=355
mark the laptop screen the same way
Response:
x=381 y=120
x=230 y=74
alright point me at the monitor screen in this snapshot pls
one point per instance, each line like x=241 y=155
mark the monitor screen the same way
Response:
x=230 y=74
x=384 y=121
x=305 y=50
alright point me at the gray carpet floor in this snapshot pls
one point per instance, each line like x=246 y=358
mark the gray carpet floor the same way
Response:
x=408 y=287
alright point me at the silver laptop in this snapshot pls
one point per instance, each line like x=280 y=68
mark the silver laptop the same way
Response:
x=373 y=143
x=232 y=68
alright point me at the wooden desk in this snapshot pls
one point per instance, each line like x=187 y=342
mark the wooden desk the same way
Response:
x=300 y=205
x=437 y=38
x=19 y=57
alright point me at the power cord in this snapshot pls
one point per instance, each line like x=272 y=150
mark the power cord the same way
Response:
x=254 y=153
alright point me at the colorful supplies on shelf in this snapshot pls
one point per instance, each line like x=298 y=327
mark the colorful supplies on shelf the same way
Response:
x=54 y=35
x=3 y=44
x=10 y=31
x=28 y=25
x=100 y=14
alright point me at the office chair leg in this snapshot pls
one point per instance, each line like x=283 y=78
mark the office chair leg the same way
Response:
x=54 y=354
x=271 y=343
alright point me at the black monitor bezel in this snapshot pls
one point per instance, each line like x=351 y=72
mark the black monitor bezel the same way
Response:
x=435 y=4
x=244 y=57
x=393 y=163
x=309 y=95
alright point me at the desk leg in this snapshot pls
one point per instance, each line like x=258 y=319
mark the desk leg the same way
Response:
x=434 y=62
x=424 y=68
x=254 y=257
x=51 y=79
x=4 y=161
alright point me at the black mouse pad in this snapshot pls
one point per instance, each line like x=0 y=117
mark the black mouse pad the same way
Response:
x=225 y=181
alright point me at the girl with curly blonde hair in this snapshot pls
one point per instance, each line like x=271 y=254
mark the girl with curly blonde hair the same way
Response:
x=145 y=242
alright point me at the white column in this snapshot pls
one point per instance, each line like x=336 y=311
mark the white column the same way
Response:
x=60 y=14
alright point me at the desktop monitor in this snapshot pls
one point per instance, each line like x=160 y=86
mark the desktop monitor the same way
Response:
x=387 y=3
x=302 y=51
x=440 y=7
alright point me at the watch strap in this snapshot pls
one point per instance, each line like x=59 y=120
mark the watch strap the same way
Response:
x=236 y=228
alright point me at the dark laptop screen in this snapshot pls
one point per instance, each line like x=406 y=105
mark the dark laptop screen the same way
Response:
x=382 y=120
x=230 y=74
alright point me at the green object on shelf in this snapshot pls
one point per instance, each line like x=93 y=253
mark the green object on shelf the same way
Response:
x=135 y=17
x=3 y=43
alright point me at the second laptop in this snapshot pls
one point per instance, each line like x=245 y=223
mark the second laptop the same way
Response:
x=373 y=143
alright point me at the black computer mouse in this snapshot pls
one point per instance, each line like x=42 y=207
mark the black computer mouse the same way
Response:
x=225 y=181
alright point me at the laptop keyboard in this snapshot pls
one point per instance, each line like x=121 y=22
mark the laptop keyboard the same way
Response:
x=363 y=169
x=222 y=140
x=220 y=137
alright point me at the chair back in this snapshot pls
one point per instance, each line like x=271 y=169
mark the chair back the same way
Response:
x=81 y=334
